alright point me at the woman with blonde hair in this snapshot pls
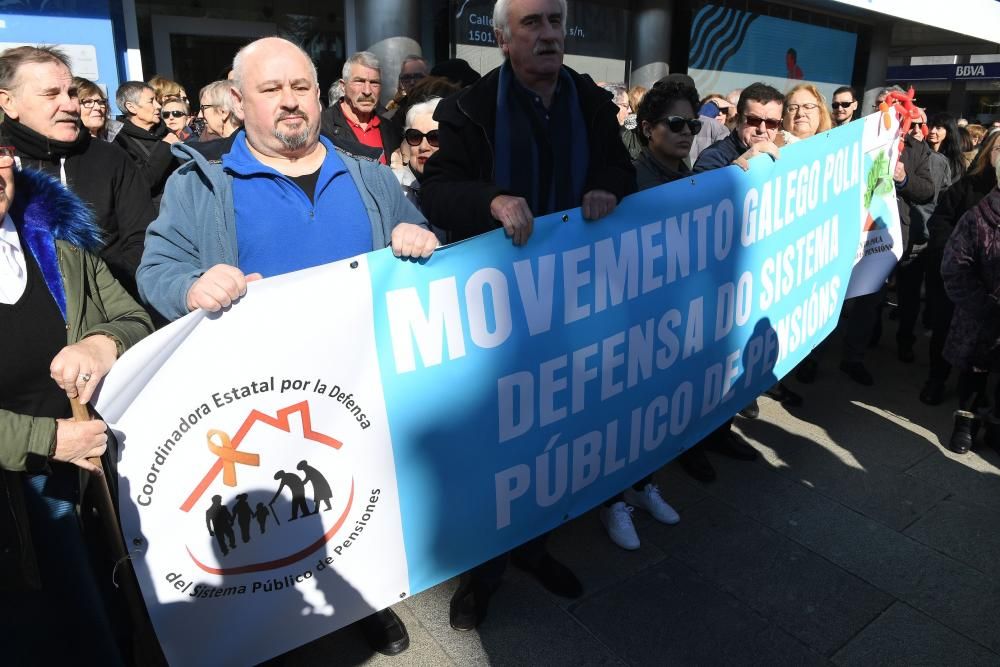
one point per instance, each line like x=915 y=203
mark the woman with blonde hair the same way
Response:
x=164 y=88
x=806 y=113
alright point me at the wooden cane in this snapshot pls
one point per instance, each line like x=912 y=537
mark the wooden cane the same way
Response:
x=147 y=649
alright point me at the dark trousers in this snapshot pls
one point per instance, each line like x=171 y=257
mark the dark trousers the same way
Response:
x=862 y=318
x=909 y=281
x=941 y=310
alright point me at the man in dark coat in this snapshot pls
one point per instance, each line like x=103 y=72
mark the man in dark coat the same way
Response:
x=479 y=180
x=145 y=137
x=353 y=123
x=46 y=133
x=530 y=138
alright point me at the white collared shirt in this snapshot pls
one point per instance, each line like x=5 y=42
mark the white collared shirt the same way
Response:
x=13 y=270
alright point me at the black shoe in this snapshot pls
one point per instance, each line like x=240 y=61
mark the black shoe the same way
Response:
x=751 y=411
x=905 y=353
x=932 y=393
x=806 y=371
x=857 y=372
x=385 y=632
x=553 y=575
x=468 y=604
x=784 y=395
x=964 y=432
x=695 y=463
x=734 y=446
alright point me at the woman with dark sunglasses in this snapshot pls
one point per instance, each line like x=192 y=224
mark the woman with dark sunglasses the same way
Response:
x=176 y=114
x=420 y=136
x=667 y=124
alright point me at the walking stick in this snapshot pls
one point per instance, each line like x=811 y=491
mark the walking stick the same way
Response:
x=146 y=647
x=273 y=513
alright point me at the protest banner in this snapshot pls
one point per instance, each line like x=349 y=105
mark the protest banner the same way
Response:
x=352 y=434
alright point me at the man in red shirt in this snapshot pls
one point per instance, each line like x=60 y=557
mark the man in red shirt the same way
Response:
x=353 y=123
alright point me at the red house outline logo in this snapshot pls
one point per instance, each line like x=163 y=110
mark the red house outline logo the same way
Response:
x=281 y=422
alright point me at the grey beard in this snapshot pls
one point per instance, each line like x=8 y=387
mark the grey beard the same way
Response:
x=293 y=142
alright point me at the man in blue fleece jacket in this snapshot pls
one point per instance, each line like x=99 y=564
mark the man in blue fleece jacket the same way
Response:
x=278 y=199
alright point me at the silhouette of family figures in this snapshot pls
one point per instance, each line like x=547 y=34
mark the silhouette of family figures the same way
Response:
x=220 y=520
x=297 y=487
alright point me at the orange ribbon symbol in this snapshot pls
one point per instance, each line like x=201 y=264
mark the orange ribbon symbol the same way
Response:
x=229 y=456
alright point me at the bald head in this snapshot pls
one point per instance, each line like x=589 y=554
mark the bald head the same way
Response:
x=266 y=47
x=277 y=95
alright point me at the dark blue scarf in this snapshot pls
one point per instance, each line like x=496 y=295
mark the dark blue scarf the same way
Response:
x=545 y=165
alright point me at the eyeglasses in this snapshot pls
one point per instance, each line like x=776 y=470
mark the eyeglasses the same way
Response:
x=808 y=106
x=676 y=123
x=769 y=123
x=91 y=103
x=414 y=137
x=414 y=76
x=172 y=114
x=7 y=153
x=841 y=105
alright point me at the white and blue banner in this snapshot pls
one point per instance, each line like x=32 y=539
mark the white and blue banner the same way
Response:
x=349 y=435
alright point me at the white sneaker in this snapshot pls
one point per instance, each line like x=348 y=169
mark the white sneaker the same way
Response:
x=650 y=500
x=617 y=519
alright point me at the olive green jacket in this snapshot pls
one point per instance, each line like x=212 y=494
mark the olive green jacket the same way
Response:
x=95 y=304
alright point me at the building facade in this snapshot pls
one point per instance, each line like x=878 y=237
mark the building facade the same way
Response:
x=951 y=58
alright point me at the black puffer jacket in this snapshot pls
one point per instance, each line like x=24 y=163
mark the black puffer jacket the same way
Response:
x=459 y=183
x=102 y=175
x=150 y=154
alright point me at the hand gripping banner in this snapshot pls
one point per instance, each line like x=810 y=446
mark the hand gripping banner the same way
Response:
x=350 y=435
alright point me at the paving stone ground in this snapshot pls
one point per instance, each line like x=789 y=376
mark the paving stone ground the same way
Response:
x=855 y=539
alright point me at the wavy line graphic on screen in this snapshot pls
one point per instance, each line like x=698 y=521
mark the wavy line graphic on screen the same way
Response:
x=717 y=34
x=252 y=524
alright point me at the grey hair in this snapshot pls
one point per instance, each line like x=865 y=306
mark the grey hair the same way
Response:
x=363 y=58
x=335 y=93
x=889 y=89
x=618 y=90
x=12 y=59
x=130 y=91
x=427 y=106
x=220 y=94
x=501 y=17
x=237 y=73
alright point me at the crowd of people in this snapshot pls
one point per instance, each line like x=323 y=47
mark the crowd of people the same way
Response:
x=115 y=225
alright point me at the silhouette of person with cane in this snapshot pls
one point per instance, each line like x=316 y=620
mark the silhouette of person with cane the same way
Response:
x=298 y=490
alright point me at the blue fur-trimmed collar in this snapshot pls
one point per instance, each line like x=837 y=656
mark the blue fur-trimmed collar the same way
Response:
x=43 y=212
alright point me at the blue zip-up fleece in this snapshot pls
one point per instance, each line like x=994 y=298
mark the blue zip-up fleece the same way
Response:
x=196 y=228
x=320 y=227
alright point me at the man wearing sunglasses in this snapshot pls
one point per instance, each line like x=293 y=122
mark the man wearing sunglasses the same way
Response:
x=531 y=137
x=758 y=118
x=845 y=103
x=145 y=137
